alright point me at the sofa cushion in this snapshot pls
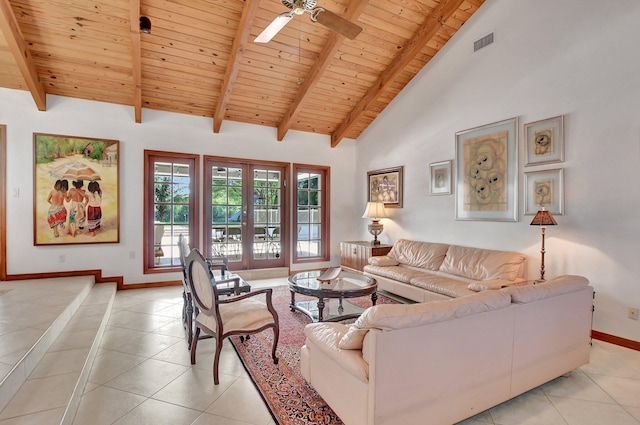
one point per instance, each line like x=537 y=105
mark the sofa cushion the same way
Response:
x=443 y=285
x=400 y=273
x=482 y=264
x=326 y=336
x=427 y=255
x=551 y=288
x=484 y=285
x=400 y=316
x=383 y=260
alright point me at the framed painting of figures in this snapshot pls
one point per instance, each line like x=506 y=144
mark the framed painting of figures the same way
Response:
x=76 y=190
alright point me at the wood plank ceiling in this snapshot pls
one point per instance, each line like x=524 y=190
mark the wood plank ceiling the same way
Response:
x=200 y=57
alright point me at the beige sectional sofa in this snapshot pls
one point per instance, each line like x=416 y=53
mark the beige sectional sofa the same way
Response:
x=439 y=362
x=427 y=271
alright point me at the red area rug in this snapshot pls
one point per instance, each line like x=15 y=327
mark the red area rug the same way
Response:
x=291 y=400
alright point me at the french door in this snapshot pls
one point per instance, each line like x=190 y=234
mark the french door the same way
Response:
x=246 y=216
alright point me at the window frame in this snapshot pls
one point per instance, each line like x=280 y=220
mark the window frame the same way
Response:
x=325 y=173
x=150 y=158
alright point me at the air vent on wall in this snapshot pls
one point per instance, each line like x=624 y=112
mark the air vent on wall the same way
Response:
x=482 y=42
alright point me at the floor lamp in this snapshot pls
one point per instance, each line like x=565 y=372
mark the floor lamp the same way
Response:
x=543 y=219
x=375 y=211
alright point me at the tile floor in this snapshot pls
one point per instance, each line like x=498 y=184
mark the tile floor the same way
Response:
x=142 y=375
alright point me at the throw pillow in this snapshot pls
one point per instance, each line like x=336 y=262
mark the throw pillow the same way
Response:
x=352 y=340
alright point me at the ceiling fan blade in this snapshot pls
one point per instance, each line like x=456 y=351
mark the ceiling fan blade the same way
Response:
x=337 y=23
x=274 y=28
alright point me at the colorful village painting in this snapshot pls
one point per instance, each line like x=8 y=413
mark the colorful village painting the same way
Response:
x=76 y=190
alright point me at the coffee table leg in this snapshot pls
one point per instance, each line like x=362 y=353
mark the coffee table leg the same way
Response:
x=292 y=305
x=374 y=298
x=320 y=308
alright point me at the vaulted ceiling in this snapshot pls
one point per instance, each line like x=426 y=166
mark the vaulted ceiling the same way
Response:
x=200 y=57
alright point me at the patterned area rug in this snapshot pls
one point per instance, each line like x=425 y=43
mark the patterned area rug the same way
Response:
x=291 y=400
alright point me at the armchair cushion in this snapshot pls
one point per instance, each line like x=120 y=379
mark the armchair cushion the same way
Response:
x=246 y=314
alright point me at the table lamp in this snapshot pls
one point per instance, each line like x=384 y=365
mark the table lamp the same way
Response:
x=375 y=211
x=543 y=218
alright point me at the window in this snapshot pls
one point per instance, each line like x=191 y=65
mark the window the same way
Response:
x=171 y=207
x=311 y=220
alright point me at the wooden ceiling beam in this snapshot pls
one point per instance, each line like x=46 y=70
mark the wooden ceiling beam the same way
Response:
x=427 y=31
x=136 y=58
x=18 y=47
x=231 y=73
x=329 y=50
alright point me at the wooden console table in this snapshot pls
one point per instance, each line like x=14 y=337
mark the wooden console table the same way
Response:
x=354 y=254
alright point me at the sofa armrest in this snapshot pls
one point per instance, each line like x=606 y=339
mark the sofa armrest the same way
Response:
x=326 y=337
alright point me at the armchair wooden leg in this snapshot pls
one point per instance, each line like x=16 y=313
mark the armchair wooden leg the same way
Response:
x=189 y=317
x=194 y=345
x=276 y=334
x=216 y=360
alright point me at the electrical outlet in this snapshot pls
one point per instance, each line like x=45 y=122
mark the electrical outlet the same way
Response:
x=132 y=255
x=633 y=313
x=63 y=258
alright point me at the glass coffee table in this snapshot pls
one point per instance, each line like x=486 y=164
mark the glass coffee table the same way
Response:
x=331 y=304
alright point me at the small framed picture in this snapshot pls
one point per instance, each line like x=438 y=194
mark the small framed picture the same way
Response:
x=544 y=188
x=385 y=186
x=440 y=178
x=545 y=141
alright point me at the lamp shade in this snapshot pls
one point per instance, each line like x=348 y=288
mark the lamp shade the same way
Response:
x=543 y=218
x=374 y=210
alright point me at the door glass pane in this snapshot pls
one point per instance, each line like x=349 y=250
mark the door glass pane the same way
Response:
x=226 y=212
x=267 y=188
x=171 y=210
x=309 y=198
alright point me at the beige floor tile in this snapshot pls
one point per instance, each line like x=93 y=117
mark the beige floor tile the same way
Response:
x=481 y=418
x=60 y=362
x=633 y=411
x=104 y=406
x=114 y=337
x=531 y=408
x=149 y=344
x=157 y=412
x=151 y=307
x=47 y=417
x=576 y=385
x=69 y=340
x=147 y=378
x=194 y=389
x=175 y=328
x=582 y=412
x=19 y=340
x=40 y=394
x=625 y=391
x=111 y=364
x=604 y=362
x=241 y=402
x=138 y=321
x=209 y=419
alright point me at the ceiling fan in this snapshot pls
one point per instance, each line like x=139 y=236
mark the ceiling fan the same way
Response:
x=318 y=14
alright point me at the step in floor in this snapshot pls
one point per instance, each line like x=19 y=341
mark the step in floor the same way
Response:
x=52 y=385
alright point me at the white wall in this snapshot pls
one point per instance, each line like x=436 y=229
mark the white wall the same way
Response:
x=577 y=58
x=158 y=131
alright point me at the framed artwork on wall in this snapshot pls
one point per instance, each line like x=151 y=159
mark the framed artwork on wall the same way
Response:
x=544 y=188
x=544 y=141
x=385 y=186
x=440 y=178
x=76 y=190
x=487 y=172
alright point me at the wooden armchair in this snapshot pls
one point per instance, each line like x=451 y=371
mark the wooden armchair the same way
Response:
x=221 y=318
x=217 y=263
